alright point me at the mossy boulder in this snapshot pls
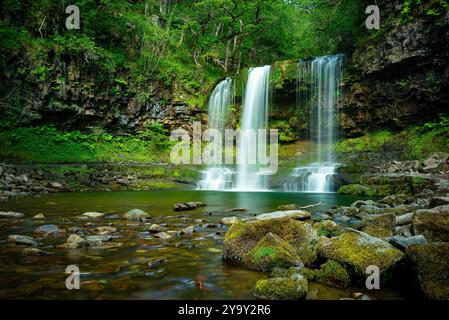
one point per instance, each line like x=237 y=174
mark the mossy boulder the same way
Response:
x=292 y=288
x=271 y=251
x=431 y=266
x=357 y=250
x=331 y=273
x=247 y=240
x=366 y=190
x=379 y=226
x=433 y=223
x=328 y=228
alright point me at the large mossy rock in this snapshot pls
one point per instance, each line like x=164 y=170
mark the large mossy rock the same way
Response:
x=265 y=244
x=358 y=250
x=431 y=264
x=433 y=223
x=331 y=273
x=379 y=226
x=291 y=288
x=270 y=252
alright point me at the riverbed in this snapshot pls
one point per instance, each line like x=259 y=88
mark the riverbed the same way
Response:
x=189 y=267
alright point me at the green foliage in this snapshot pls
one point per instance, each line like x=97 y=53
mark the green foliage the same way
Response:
x=369 y=142
x=433 y=8
x=25 y=144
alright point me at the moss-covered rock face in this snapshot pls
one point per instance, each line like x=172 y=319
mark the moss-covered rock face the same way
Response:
x=362 y=190
x=358 y=250
x=327 y=228
x=379 y=226
x=433 y=223
x=431 y=264
x=331 y=273
x=271 y=251
x=292 y=288
x=246 y=241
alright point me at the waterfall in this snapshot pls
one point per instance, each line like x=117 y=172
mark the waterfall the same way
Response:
x=322 y=78
x=218 y=177
x=254 y=117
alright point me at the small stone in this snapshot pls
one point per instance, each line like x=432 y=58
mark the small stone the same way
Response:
x=199 y=220
x=39 y=216
x=174 y=233
x=19 y=239
x=105 y=230
x=319 y=216
x=73 y=238
x=157 y=262
x=188 y=230
x=123 y=182
x=136 y=215
x=93 y=214
x=54 y=185
x=11 y=215
x=229 y=220
x=98 y=239
x=50 y=230
x=154 y=228
x=188 y=206
x=209 y=226
x=163 y=236
x=35 y=252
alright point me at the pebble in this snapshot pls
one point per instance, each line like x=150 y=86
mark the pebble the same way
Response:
x=11 y=215
x=163 y=236
x=154 y=228
x=105 y=230
x=93 y=214
x=136 y=215
x=229 y=220
x=19 y=239
x=39 y=216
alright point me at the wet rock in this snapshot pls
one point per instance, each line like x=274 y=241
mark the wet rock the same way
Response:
x=163 y=236
x=123 y=182
x=229 y=220
x=292 y=214
x=39 y=216
x=11 y=215
x=50 y=230
x=435 y=163
x=154 y=228
x=243 y=236
x=188 y=230
x=188 y=206
x=404 y=219
x=93 y=214
x=431 y=265
x=105 y=230
x=157 y=262
x=98 y=239
x=174 y=233
x=394 y=200
x=19 y=239
x=199 y=220
x=288 y=207
x=75 y=239
x=359 y=250
x=379 y=226
x=55 y=185
x=331 y=273
x=402 y=242
x=341 y=219
x=293 y=288
x=438 y=201
x=433 y=223
x=136 y=215
x=209 y=226
x=35 y=252
x=237 y=210
x=327 y=228
x=319 y=216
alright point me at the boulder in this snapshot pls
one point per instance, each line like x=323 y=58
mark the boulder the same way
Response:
x=11 y=215
x=136 y=215
x=403 y=243
x=271 y=251
x=244 y=236
x=293 y=214
x=431 y=266
x=433 y=223
x=404 y=219
x=163 y=236
x=379 y=226
x=105 y=230
x=188 y=230
x=331 y=273
x=327 y=228
x=293 y=288
x=358 y=250
x=438 y=201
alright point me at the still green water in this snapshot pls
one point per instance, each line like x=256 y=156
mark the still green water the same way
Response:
x=194 y=269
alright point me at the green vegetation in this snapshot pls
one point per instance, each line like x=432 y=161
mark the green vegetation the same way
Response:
x=429 y=7
x=50 y=145
x=416 y=142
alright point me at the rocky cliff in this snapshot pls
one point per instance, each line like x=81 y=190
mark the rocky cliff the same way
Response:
x=399 y=76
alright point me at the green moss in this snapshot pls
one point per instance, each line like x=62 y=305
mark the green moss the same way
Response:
x=331 y=273
x=281 y=288
x=369 y=142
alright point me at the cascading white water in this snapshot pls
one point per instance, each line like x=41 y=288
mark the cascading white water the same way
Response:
x=218 y=177
x=323 y=76
x=254 y=117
